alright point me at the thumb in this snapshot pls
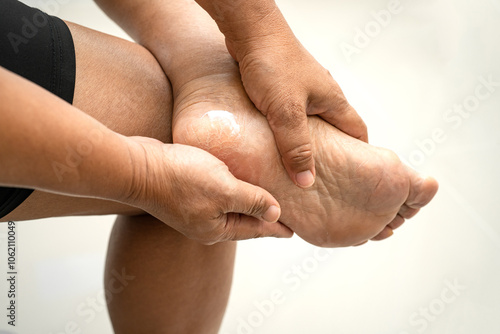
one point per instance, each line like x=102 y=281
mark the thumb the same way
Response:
x=289 y=124
x=253 y=214
x=255 y=202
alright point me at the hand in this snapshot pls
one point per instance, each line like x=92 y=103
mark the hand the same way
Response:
x=286 y=84
x=194 y=193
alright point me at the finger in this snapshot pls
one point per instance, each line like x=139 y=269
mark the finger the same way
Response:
x=330 y=104
x=241 y=227
x=289 y=125
x=347 y=120
x=252 y=201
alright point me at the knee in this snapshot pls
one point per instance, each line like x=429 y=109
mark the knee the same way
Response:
x=121 y=84
x=150 y=98
x=143 y=231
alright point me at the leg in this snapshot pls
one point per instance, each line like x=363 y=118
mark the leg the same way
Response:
x=180 y=286
x=121 y=84
x=362 y=192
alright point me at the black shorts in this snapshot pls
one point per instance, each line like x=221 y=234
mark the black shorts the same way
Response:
x=40 y=48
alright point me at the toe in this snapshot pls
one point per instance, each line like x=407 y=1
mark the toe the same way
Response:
x=396 y=222
x=422 y=190
x=361 y=243
x=407 y=212
x=386 y=233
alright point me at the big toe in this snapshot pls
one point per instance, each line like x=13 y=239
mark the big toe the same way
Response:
x=422 y=190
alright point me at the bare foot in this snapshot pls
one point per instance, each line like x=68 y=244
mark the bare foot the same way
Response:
x=361 y=192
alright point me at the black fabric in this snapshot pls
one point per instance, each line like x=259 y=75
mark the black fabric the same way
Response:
x=40 y=48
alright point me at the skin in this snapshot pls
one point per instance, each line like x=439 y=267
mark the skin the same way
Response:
x=143 y=244
x=109 y=87
x=362 y=193
x=281 y=78
x=110 y=78
x=207 y=81
x=78 y=155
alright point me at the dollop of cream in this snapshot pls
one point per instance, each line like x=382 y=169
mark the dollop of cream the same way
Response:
x=223 y=119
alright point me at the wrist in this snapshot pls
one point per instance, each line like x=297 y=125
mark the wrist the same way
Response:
x=245 y=23
x=144 y=184
x=262 y=29
x=111 y=169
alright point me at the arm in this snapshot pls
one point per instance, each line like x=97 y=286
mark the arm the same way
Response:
x=48 y=144
x=360 y=189
x=281 y=78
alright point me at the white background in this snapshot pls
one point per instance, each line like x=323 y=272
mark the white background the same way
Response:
x=428 y=58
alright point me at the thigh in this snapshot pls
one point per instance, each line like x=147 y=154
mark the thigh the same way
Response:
x=120 y=84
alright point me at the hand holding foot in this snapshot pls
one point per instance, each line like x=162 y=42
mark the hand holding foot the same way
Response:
x=283 y=80
x=361 y=192
x=194 y=193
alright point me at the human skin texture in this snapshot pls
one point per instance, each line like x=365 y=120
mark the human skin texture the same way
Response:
x=361 y=191
x=283 y=80
x=216 y=206
x=184 y=285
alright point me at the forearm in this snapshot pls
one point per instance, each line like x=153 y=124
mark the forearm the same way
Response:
x=48 y=144
x=247 y=24
x=178 y=32
x=165 y=26
x=235 y=18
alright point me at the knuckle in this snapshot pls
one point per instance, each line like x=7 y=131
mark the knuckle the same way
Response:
x=204 y=239
x=328 y=73
x=285 y=112
x=362 y=126
x=341 y=104
x=257 y=204
x=207 y=242
x=229 y=230
x=337 y=99
x=299 y=156
x=260 y=231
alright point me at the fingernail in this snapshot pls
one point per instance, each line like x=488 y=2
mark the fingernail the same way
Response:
x=272 y=214
x=305 y=179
